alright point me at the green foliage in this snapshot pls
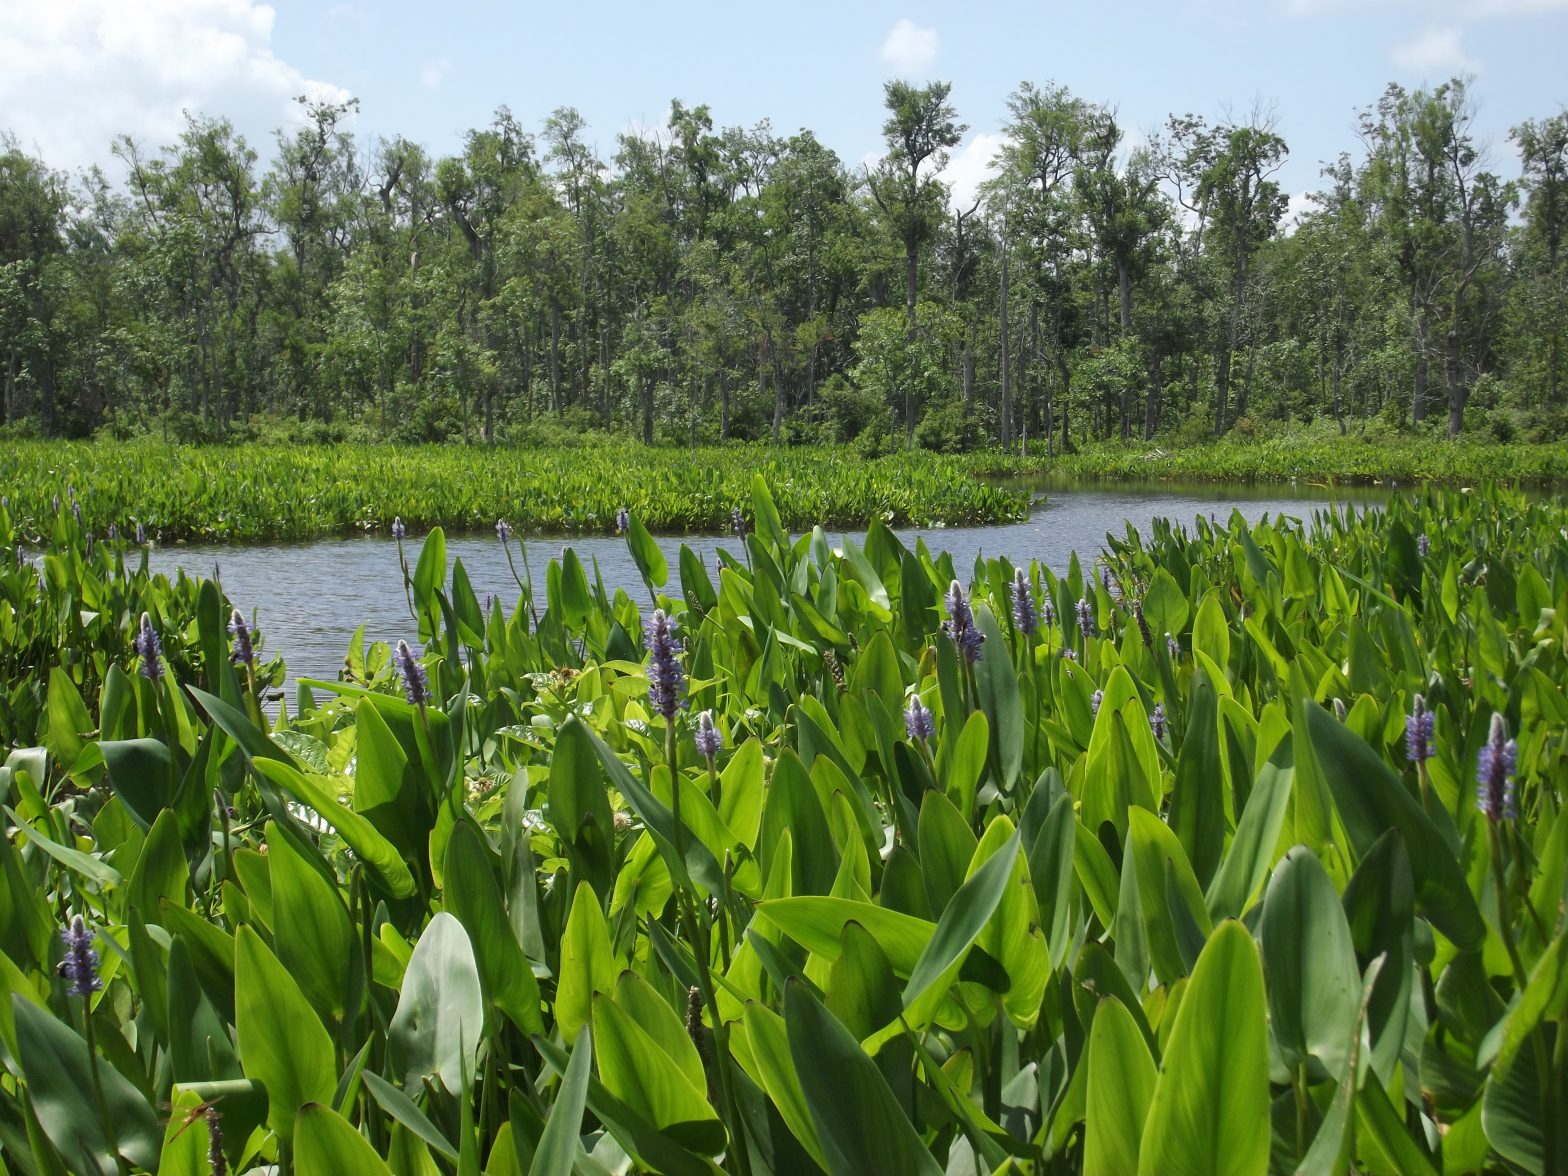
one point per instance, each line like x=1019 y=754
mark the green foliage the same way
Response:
x=527 y=925
x=295 y=492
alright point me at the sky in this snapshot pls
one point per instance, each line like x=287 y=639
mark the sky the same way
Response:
x=76 y=73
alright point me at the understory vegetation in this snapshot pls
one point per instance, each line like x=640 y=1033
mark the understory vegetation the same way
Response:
x=1240 y=848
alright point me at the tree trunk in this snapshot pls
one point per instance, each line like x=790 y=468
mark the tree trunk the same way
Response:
x=724 y=403
x=1007 y=367
x=555 y=356
x=1454 y=376
x=911 y=288
x=1151 y=400
x=1418 y=396
x=647 y=410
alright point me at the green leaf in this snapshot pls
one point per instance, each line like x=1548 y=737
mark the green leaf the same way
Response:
x=141 y=772
x=588 y=964
x=860 y=1124
x=439 y=1023
x=637 y=1071
x=817 y=922
x=559 y=1143
x=58 y=1069
x=650 y=561
x=1000 y=700
x=160 y=871
x=473 y=896
x=326 y=1144
x=1310 y=961
x=357 y=833
x=315 y=939
x=1371 y=800
x=769 y=1041
x=1122 y=1078
x=1210 y=1113
x=282 y=1042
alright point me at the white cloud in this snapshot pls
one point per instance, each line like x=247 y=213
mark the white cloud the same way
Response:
x=909 y=49
x=434 y=73
x=970 y=166
x=1484 y=8
x=1299 y=204
x=1437 y=50
x=76 y=73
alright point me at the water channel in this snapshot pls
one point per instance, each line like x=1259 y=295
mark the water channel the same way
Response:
x=310 y=597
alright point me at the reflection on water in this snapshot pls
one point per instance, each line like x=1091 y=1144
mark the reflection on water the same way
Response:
x=310 y=597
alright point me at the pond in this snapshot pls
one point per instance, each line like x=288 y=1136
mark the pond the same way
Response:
x=310 y=597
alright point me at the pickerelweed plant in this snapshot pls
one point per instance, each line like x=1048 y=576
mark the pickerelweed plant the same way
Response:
x=763 y=872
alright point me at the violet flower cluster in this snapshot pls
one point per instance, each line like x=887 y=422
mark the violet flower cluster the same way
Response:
x=1494 y=773
x=918 y=721
x=666 y=680
x=1024 y=615
x=149 y=645
x=960 y=625
x=416 y=683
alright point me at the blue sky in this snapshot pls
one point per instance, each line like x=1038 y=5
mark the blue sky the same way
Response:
x=74 y=72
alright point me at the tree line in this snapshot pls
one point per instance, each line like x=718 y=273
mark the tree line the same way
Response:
x=706 y=283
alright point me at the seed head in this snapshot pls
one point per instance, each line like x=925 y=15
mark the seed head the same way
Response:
x=216 y=1160
x=80 y=965
x=1143 y=625
x=1048 y=612
x=1495 y=774
x=148 y=644
x=918 y=722
x=141 y=535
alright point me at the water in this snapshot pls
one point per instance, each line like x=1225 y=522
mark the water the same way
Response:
x=310 y=597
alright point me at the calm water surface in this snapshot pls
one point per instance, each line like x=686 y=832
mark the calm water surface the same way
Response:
x=310 y=597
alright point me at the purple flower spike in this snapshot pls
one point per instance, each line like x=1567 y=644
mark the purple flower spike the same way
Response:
x=708 y=737
x=1095 y=700
x=1423 y=545
x=666 y=679
x=961 y=624
x=148 y=644
x=1172 y=647
x=918 y=722
x=1048 y=612
x=244 y=653
x=141 y=535
x=1157 y=721
x=1494 y=774
x=502 y=531
x=737 y=522
x=1086 y=617
x=416 y=683
x=398 y=530
x=80 y=965
x=623 y=521
x=1419 y=730
x=1024 y=615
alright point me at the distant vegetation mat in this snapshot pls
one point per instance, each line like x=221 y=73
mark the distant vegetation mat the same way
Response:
x=243 y=493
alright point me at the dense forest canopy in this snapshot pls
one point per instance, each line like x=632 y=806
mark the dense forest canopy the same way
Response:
x=710 y=282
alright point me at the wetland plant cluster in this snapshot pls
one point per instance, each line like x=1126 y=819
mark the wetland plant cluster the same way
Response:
x=301 y=492
x=1243 y=852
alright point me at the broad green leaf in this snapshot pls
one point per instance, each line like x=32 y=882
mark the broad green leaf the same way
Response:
x=859 y=1123
x=326 y=1144
x=1310 y=962
x=59 y=1073
x=1210 y=1113
x=282 y=1042
x=439 y=1023
x=588 y=964
x=316 y=939
x=1121 y=1086
x=473 y=897
x=637 y=1071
